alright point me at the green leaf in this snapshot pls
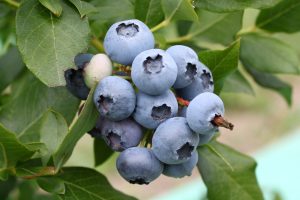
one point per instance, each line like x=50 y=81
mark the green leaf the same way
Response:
x=85 y=183
x=233 y=5
x=53 y=5
x=7 y=186
x=272 y=82
x=221 y=63
x=29 y=190
x=84 y=123
x=179 y=10
x=227 y=173
x=52 y=185
x=26 y=190
x=284 y=17
x=160 y=40
x=216 y=27
x=291 y=39
x=7 y=27
x=149 y=11
x=183 y=27
x=4 y=99
x=113 y=11
x=49 y=44
x=268 y=54
x=31 y=99
x=237 y=83
x=101 y=151
x=11 y=149
x=11 y=65
x=83 y=7
x=50 y=129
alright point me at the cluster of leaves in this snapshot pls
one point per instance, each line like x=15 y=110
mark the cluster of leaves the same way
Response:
x=39 y=124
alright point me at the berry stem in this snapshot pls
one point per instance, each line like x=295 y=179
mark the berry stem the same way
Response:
x=221 y=122
x=182 y=101
x=148 y=138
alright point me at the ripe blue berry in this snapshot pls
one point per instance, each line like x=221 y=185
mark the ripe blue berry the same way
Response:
x=126 y=39
x=139 y=165
x=82 y=59
x=114 y=98
x=205 y=113
x=122 y=134
x=174 y=142
x=75 y=83
x=202 y=83
x=150 y=110
x=154 y=71
x=187 y=64
x=183 y=169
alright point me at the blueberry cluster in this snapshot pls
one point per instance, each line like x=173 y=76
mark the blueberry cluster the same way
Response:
x=149 y=105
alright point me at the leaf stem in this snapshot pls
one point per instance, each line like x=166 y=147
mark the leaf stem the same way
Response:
x=246 y=31
x=12 y=3
x=180 y=39
x=46 y=171
x=162 y=24
x=97 y=44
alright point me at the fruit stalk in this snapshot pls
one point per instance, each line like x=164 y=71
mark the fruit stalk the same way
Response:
x=182 y=101
x=221 y=122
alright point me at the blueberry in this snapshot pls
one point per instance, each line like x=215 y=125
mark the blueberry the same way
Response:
x=183 y=169
x=82 y=59
x=126 y=39
x=150 y=110
x=139 y=165
x=202 y=83
x=204 y=139
x=122 y=134
x=75 y=83
x=174 y=142
x=99 y=67
x=154 y=71
x=205 y=113
x=187 y=64
x=114 y=98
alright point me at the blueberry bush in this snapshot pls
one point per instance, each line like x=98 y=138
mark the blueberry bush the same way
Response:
x=157 y=63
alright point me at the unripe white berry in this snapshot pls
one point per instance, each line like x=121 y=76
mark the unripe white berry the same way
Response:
x=99 y=67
